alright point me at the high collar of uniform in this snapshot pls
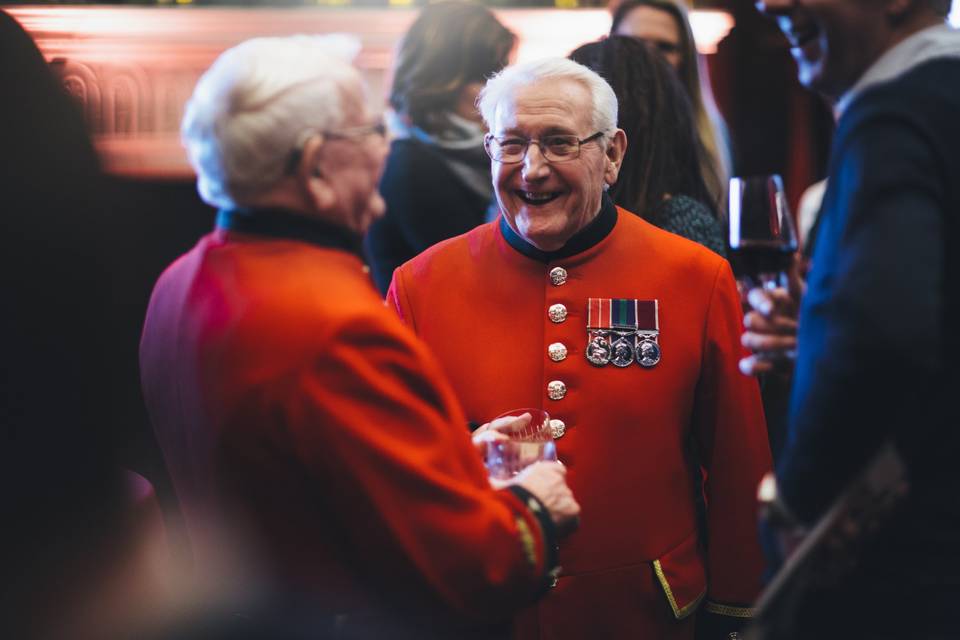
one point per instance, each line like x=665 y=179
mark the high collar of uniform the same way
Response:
x=598 y=229
x=288 y=225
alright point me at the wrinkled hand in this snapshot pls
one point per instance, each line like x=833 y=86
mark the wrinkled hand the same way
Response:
x=496 y=429
x=546 y=481
x=771 y=327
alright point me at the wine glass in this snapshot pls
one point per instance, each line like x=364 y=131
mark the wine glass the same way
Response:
x=519 y=444
x=762 y=235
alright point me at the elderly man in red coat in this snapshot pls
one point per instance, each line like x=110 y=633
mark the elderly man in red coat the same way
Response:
x=629 y=337
x=318 y=451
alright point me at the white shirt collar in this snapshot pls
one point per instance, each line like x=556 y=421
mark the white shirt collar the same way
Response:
x=938 y=41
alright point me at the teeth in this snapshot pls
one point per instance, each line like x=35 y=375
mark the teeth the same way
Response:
x=537 y=196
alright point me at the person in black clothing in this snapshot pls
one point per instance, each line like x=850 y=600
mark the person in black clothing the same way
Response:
x=70 y=525
x=877 y=354
x=436 y=182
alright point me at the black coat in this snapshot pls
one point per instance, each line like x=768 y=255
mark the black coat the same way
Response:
x=426 y=202
x=879 y=351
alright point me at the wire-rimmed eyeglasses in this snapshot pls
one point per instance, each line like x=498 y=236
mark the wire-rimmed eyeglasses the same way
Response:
x=348 y=133
x=555 y=148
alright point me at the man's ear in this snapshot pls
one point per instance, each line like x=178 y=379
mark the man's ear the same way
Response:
x=310 y=173
x=615 y=150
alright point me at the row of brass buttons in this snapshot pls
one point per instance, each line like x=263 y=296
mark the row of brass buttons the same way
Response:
x=557 y=351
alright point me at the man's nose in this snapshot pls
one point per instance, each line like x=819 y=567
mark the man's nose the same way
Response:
x=534 y=164
x=774 y=7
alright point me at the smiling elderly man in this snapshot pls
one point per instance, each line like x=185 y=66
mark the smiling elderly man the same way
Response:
x=629 y=337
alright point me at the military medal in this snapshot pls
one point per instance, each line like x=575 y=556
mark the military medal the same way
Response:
x=648 y=330
x=648 y=352
x=611 y=331
x=622 y=331
x=598 y=349
x=623 y=350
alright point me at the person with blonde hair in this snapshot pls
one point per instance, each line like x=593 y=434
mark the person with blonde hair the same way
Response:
x=665 y=25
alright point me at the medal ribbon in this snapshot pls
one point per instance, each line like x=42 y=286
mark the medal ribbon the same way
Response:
x=624 y=314
x=648 y=316
x=598 y=313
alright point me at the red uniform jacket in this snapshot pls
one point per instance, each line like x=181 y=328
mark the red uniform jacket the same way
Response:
x=637 y=567
x=307 y=429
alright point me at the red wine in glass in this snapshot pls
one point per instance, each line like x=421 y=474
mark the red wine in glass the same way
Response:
x=762 y=235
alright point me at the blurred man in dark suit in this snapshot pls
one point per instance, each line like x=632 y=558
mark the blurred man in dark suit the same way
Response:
x=879 y=356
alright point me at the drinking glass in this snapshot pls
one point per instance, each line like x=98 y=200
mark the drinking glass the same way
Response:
x=762 y=235
x=517 y=447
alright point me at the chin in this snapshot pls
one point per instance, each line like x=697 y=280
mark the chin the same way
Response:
x=544 y=239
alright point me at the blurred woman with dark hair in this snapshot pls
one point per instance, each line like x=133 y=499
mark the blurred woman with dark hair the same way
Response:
x=661 y=177
x=665 y=25
x=436 y=182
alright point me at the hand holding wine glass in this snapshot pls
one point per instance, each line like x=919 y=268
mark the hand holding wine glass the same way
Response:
x=763 y=244
x=771 y=328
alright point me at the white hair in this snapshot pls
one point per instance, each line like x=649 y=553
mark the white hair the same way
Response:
x=255 y=104
x=501 y=87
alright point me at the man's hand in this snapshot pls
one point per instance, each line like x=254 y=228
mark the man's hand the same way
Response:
x=497 y=430
x=771 y=327
x=546 y=481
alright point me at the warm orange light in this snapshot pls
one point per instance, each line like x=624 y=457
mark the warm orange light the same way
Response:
x=709 y=28
x=554 y=32
x=134 y=67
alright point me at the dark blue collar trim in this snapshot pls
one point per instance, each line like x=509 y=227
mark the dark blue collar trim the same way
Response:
x=282 y=223
x=591 y=235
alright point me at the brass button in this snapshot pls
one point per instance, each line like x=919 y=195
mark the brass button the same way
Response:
x=558 y=276
x=558 y=427
x=557 y=313
x=557 y=351
x=556 y=390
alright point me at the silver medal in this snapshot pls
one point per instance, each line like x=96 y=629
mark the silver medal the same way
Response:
x=648 y=351
x=623 y=349
x=598 y=349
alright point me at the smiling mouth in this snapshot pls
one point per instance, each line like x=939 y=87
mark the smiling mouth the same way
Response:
x=536 y=198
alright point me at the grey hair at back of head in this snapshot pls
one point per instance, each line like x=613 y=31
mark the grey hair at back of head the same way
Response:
x=503 y=85
x=255 y=104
